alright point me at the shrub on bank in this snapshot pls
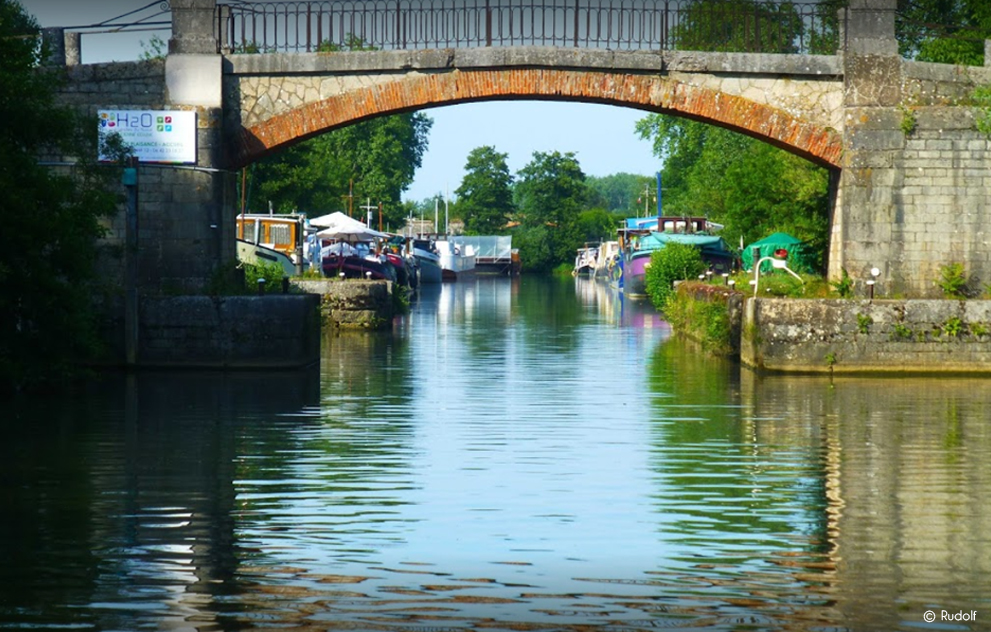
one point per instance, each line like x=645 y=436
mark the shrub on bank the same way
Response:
x=701 y=311
x=673 y=262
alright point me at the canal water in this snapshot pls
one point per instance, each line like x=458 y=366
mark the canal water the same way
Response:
x=526 y=454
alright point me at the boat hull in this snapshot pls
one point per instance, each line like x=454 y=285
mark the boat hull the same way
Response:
x=358 y=268
x=430 y=270
x=635 y=275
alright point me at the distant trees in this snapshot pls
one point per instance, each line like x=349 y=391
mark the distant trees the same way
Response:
x=51 y=221
x=623 y=193
x=485 y=197
x=550 y=207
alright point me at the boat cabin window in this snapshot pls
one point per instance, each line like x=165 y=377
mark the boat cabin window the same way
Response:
x=280 y=234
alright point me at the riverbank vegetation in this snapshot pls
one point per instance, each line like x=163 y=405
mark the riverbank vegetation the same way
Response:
x=51 y=218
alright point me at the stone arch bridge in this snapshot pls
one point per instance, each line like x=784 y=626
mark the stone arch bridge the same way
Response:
x=911 y=178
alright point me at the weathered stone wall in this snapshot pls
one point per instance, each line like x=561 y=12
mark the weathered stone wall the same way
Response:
x=238 y=332
x=846 y=336
x=352 y=304
x=916 y=173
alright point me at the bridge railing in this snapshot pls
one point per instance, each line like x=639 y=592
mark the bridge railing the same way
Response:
x=711 y=25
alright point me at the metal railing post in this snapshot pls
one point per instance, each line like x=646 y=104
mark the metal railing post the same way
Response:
x=577 y=23
x=488 y=24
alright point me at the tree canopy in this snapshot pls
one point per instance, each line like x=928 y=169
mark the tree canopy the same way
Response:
x=550 y=194
x=51 y=220
x=751 y=187
x=944 y=31
x=374 y=161
x=485 y=197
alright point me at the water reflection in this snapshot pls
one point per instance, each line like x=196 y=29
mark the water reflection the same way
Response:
x=515 y=455
x=909 y=481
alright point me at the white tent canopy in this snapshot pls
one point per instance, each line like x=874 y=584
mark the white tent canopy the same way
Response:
x=337 y=225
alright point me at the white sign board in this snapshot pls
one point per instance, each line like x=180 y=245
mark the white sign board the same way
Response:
x=155 y=136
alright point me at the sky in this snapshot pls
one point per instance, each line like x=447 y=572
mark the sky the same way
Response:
x=601 y=136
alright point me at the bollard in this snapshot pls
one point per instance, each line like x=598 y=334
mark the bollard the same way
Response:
x=261 y=286
x=285 y=285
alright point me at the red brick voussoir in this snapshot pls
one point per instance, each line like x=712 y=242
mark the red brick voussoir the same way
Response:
x=651 y=93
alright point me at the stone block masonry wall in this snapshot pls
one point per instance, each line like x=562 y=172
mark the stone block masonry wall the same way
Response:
x=885 y=336
x=917 y=197
x=185 y=231
x=915 y=187
x=239 y=332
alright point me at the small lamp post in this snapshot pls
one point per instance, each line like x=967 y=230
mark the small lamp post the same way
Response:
x=875 y=273
x=725 y=278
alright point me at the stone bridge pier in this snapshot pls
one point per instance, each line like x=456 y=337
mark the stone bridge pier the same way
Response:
x=911 y=172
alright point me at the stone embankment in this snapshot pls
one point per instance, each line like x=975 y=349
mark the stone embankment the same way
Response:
x=352 y=304
x=846 y=336
x=229 y=332
x=857 y=336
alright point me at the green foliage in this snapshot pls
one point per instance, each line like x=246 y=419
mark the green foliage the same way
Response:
x=379 y=156
x=982 y=98
x=951 y=32
x=864 y=322
x=597 y=224
x=953 y=327
x=271 y=272
x=550 y=194
x=844 y=287
x=738 y=26
x=747 y=185
x=485 y=197
x=536 y=248
x=155 y=48
x=783 y=285
x=909 y=121
x=902 y=332
x=953 y=280
x=624 y=193
x=673 y=262
x=351 y=43
x=830 y=359
x=978 y=329
x=400 y=299
x=51 y=219
x=706 y=321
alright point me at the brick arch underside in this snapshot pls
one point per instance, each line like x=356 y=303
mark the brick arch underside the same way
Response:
x=647 y=92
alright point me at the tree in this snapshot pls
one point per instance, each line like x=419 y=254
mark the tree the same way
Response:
x=943 y=31
x=51 y=221
x=751 y=187
x=485 y=197
x=550 y=193
x=374 y=160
